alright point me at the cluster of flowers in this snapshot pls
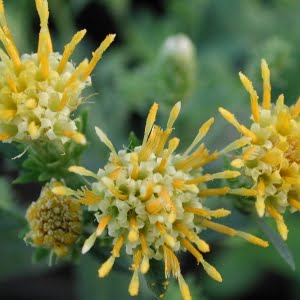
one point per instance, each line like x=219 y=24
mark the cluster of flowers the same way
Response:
x=150 y=199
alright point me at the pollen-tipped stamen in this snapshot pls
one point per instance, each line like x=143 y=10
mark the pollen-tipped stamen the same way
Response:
x=97 y=55
x=201 y=134
x=265 y=73
x=102 y=224
x=174 y=114
x=169 y=239
x=253 y=96
x=69 y=49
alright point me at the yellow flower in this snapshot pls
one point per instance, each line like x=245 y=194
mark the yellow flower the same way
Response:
x=39 y=91
x=272 y=157
x=150 y=200
x=55 y=221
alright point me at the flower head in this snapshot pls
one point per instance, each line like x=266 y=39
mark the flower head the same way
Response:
x=150 y=200
x=39 y=91
x=271 y=158
x=55 y=221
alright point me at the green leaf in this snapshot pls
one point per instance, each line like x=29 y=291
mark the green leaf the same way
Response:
x=133 y=141
x=278 y=243
x=156 y=279
x=25 y=178
x=40 y=254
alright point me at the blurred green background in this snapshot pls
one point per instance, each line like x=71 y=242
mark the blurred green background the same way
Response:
x=228 y=36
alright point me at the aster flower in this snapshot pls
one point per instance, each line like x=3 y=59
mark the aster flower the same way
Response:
x=271 y=159
x=55 y=221
x=150 y=200
x=39 y=91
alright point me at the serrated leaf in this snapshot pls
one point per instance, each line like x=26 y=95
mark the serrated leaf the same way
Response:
x=25 y=178
x=279 y=244
x=156 y=280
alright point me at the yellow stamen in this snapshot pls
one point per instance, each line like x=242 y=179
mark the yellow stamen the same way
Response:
x=232 y=120
x=190 y=248
x=114 y=175
x=253 y=96
x=198 y=211
x=150 y=121
x=169 y=204
x=260 y=199
x=144 y=244
x=154 y=206
x=197 y=159
x=174 y=114
x=110 y=185
x=89 y=242
x=171 y=263
x=219 y=227
x=7 y=114
x=296 y=109
x=82 y=171
x=133 y=288
x=243 y=192
x=283 y=122
x=11 y=83
x=102 y=224
x=282 y=228
x=135 y=161
x=247 y=132
x=145 y=265
x=170 y=241
x=43 y=11
x=97 y=55
x=211 y=271
x=71 y=84
x=252 y=239
x=117 y=247
x=218 y=213
x=10 y=49
x=162 y=141
x=265 y=73
x=173 y=144
x=105 y=140
x=209 y=177
x=184 y=288
x=217 y=191
x=4 y=136
x=133 y=235
x=193 y=237
x=77 y=137
x=33 y=130
x=149 y=191
x=294 y=203
x=237 y=163
x=69 y=49
x=106 y=267
x=43 y=54
x=5 y=26
x=201 y=134
x=149 y=147
x=31 y=103
x=235 y=145
x=251 y=153
x=63 y=191
x=89 y=198
x=76 y=75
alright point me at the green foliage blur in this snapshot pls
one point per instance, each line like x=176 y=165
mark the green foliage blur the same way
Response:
x=228 y=36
